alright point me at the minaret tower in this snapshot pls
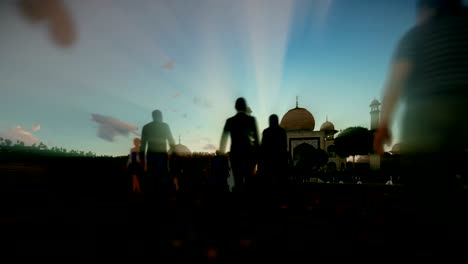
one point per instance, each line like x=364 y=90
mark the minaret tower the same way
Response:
x=375 y=114
x=374 y=159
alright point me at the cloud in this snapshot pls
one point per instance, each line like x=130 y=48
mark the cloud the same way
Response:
x=36 y=127
x=20 y=134
x=110 y=127
x=168 y=65
x=210 y=147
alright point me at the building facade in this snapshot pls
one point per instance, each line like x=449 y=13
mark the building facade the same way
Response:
x=299 y=124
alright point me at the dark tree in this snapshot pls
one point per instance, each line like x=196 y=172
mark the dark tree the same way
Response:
x=354 y=141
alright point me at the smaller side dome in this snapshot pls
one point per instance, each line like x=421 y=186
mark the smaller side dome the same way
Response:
x=327 y=126
x=180 y=150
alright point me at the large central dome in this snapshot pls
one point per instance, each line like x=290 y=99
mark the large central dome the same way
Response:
x=298 y=119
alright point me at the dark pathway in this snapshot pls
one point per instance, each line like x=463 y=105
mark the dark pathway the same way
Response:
x=313 y=221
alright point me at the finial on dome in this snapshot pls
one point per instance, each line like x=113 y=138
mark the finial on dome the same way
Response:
x=297 y=101
x=179 y=139
x=327 y=118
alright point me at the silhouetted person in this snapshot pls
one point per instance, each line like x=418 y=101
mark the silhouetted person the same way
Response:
x=274 y=155
x=429 y=72
x=154 y=139
x=135 y=165
x=243 y=131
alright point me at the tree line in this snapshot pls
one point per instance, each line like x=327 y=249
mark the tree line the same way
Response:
x=19 y=147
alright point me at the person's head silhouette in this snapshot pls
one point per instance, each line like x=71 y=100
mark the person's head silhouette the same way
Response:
x=157 y=116
x=273 y=120
x=241 y=105
x=440 y=4
x=428 y=9
x=136 y=142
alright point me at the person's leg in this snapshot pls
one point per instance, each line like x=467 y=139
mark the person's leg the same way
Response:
x=163 y=179
x=134 y=184
x=238 y=180
x=137 y=183
x=149 y=180
x=237 y=172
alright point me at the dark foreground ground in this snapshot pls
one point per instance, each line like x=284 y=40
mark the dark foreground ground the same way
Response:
x=87 y=213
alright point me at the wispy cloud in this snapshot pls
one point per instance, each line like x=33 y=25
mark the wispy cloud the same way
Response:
x=36 y=127
x=205 y=139
x=210 y=147
x=110 y=127
x=168 y=65
x=18 y=133
x=201 y=102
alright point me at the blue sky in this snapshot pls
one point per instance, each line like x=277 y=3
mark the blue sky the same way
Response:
x=192 y=59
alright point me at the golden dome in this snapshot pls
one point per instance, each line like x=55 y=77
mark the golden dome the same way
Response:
x=327 y=126
x=298 y=119
x=181 y=150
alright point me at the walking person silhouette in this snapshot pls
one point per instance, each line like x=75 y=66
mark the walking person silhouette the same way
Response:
x=273 y=164
x=135 y=165
x=154 y=153
x=242 y=129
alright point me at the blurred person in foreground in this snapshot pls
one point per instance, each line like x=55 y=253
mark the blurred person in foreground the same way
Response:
x=429 y=73
x=61 y=25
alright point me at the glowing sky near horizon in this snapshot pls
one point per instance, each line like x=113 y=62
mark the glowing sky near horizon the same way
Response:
x=192 y=59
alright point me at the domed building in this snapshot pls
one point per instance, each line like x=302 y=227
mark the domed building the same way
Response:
x=298 y=119
x=299 y=124
x=181 y=150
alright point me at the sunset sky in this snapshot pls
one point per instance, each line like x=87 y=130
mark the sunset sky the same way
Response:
x=191 y=60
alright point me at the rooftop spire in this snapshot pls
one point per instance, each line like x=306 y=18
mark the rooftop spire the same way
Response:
x=327 y=118
x=179 y=139
x=297 y=101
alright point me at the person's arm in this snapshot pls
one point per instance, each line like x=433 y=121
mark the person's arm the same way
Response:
x=256 y=138
x=170 y=139
x=129 y=158
x=399 y=72
x=144 y=143
x=224 y=138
